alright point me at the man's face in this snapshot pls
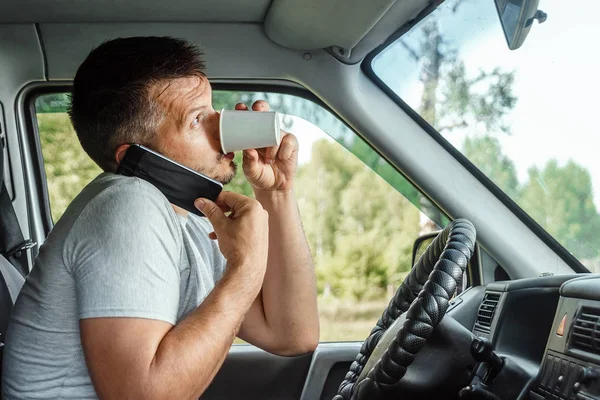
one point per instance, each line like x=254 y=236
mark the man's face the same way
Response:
x=189 y=131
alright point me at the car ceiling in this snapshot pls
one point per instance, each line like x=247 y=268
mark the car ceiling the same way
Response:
x=351 y=27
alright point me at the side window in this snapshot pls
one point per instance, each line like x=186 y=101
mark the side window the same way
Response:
x=360 y=215
x=68 y=168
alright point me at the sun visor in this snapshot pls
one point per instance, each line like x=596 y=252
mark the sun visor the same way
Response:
x=317 y=24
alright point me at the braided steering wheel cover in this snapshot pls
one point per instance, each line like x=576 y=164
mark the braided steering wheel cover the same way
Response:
x=448 y=254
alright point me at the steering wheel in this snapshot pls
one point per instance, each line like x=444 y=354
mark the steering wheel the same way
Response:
x=424 y=295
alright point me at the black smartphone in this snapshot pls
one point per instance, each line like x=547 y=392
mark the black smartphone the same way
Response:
x=180 y=184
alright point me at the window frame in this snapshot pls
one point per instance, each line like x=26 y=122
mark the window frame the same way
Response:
x=473 y=275
x=367 y=68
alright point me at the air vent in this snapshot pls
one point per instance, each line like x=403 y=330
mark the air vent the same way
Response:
x=485 y=314
x=586 y=330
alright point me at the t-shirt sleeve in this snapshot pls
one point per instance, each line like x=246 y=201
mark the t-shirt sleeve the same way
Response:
x=123 y=252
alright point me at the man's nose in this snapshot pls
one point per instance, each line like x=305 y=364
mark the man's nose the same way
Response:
x=216 y=129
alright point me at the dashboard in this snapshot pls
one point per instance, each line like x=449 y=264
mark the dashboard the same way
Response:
x=563 y=310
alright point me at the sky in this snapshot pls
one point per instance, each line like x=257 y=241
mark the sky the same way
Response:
x=556 y=82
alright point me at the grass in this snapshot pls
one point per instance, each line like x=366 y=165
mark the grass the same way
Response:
x=348 y=320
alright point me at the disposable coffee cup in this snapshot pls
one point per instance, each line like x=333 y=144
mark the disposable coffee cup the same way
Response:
x=242 y=130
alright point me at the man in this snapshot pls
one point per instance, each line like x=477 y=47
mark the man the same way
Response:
x=132 y=297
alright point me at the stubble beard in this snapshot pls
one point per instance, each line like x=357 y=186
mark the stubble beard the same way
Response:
x=223 y=177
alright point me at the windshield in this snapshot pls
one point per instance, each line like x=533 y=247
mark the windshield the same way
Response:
x=525 y=118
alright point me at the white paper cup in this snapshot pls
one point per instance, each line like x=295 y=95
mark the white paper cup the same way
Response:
x=242 y=130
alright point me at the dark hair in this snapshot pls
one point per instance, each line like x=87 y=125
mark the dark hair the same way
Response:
x=110 y=102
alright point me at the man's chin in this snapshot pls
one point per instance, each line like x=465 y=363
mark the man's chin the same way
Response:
x=230 y=175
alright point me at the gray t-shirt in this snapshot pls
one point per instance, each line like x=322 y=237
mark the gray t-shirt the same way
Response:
x=120 y=250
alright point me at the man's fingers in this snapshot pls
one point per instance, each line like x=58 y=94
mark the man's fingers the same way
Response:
x=251 y=155
x=224 y=207
x=260 y=105
x=234 y=201
x=212 y=211
x=288 y=145
x=250 y=158
x=270 y=154
x=241 y=107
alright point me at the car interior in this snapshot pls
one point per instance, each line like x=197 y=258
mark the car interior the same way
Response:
x=525 y=321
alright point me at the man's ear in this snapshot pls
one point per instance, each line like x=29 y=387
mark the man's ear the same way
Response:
x=120 y=152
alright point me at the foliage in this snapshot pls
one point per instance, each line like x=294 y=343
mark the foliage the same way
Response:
x=68 y=168
x=453 y=101
x=373 y=237
x=486 y=153
x=561 y=200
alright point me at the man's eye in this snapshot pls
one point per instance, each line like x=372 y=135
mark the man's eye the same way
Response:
x=196 y=121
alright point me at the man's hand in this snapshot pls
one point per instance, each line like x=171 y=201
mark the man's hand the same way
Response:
x=271 y=168
x=243 y=235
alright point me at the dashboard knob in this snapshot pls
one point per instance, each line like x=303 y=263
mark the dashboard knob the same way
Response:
x=588 y=375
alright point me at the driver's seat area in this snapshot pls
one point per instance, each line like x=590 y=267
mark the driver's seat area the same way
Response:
x=11 y=279
x=11 y=282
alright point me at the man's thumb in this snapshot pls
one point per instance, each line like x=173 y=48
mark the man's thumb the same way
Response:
x=212 y=211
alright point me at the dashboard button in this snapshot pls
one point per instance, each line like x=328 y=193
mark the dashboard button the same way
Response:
x=548 y=365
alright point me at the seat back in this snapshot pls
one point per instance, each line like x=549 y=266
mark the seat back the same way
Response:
x=11 y=280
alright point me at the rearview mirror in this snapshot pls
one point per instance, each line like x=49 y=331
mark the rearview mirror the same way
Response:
x=516 y=17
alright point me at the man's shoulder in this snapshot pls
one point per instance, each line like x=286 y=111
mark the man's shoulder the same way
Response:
x=112 y=200
x=118 y=211
x=114 y=193
x=108 y=183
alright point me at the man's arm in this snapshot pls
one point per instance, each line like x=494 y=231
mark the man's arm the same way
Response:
x=137 y=358
x=284 y=319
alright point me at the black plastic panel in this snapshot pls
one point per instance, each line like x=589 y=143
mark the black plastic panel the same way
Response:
x=466 y=311
x=249 y=373
x=565 y=370
x=334 y=378
x=560 y=378
x=525 y=321
x=525 y=314
x=539 y=282
x=585 y=287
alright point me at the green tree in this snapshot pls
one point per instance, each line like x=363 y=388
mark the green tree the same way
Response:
x=450 y=99
x=373 y=240
x=68 y=168
x=359 y=228
x=486 y=153
x=561 y=200
x=319 y=187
